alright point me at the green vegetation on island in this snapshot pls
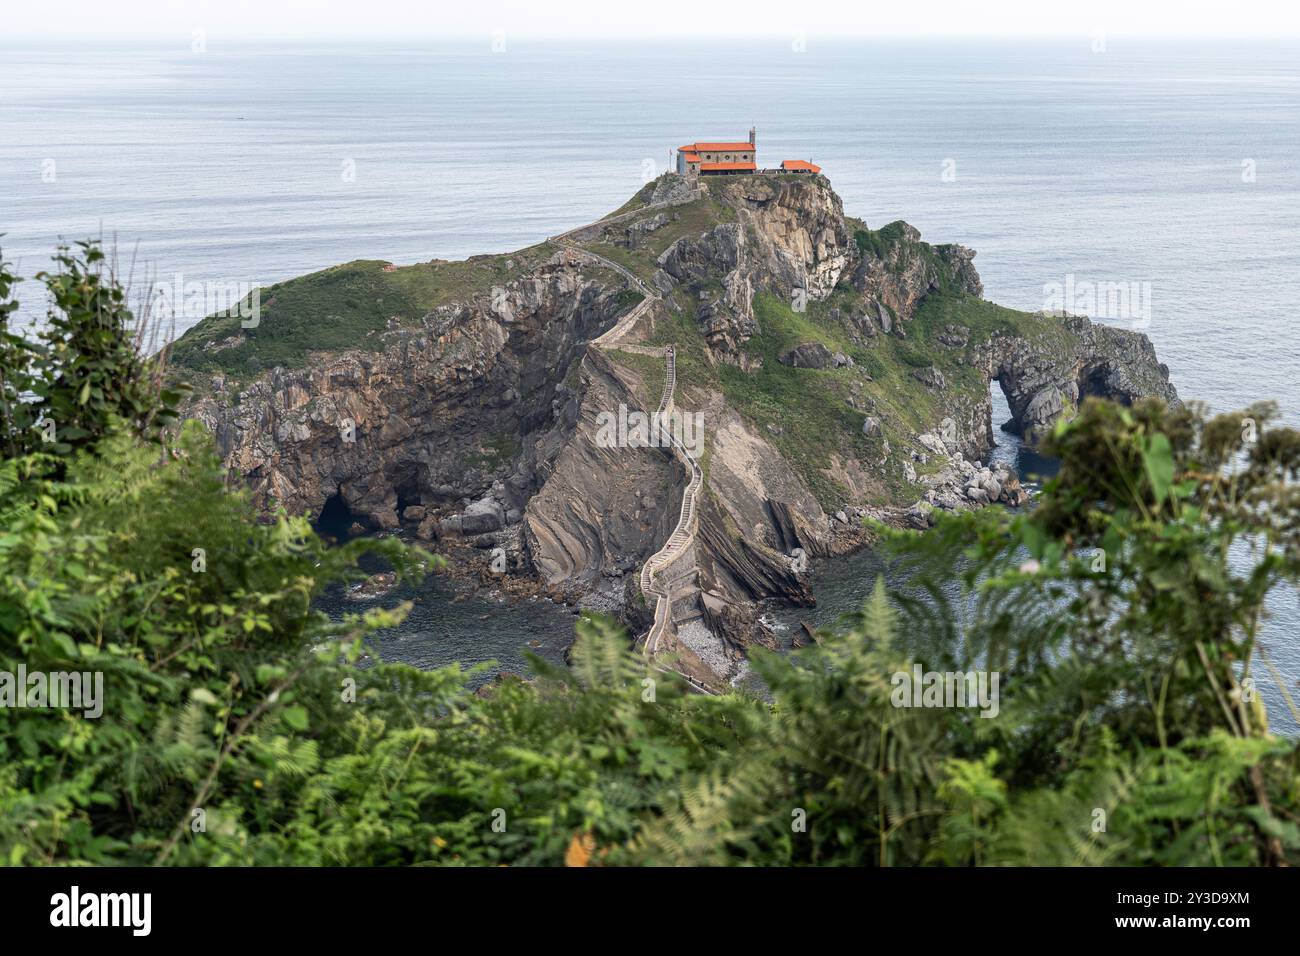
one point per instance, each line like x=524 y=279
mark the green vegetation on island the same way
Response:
x=343 y=307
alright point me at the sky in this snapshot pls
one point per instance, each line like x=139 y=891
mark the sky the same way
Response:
x=235 y=20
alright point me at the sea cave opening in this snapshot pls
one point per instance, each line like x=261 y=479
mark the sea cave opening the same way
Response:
x=1009 y=446
x=335 y=519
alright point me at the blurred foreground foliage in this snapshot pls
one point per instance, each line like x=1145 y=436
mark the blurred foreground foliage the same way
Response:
x=1121 y=614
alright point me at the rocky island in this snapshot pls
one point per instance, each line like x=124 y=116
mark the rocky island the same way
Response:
x=838 y=371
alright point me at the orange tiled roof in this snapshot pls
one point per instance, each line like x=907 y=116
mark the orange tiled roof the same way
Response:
x=726 y=167
x=690 y=157
x=793 y=165
x=717 y=148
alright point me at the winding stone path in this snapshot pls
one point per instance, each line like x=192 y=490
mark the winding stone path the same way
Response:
x=683 y=535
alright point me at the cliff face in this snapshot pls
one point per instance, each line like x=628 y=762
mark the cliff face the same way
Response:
x=782 y=238
x=436 y=412
x=600 y=510
x=837 y=370
x=897 y=271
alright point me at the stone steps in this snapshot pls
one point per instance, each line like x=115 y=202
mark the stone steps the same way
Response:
x=683 y=534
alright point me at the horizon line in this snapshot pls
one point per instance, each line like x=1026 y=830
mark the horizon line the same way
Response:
x=64 y=37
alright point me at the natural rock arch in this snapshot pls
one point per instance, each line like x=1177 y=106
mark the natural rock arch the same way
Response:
x=1044 y=379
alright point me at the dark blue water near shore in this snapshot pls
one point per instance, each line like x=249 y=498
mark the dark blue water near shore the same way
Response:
x=451 y=622
x=840 y=586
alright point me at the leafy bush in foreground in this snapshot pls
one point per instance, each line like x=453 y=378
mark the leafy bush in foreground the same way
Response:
x=237 y=728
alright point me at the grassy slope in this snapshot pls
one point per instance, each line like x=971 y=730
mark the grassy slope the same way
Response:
x=691 y=220
x=806 y=413
x=339 y=308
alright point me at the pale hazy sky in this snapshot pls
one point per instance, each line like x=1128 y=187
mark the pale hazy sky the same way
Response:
x=630 y=19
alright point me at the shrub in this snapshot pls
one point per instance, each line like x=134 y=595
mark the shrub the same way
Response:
x=87 y=366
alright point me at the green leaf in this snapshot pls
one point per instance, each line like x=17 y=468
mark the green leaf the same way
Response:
x=295 y=717
x=1158 y=460
x=65 y=644
x=1034 y=538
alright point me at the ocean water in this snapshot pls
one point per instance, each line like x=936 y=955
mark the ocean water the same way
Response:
x=451 y=622
x=1171 y=168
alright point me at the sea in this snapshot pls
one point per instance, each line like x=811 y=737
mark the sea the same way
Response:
x=1155 y=183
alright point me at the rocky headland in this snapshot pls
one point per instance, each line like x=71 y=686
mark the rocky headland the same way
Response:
x=838 y=372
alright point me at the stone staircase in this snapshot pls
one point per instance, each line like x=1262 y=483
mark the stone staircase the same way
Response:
x=683 y=535
x=681 y=542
